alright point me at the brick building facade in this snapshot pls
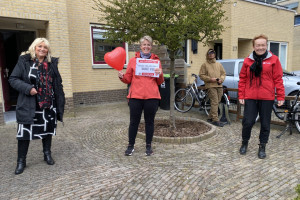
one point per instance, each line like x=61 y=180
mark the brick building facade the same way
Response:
x=69 y=27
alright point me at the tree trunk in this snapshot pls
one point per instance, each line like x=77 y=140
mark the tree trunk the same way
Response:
x=172 y=90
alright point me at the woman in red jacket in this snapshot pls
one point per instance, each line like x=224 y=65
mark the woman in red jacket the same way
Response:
x=143 y=95
x=261 y=73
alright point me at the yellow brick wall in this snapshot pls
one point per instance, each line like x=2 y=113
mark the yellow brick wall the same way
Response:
x=296 y=57
x=85 y=78
x=54 y=13
x=81 y=15
x=196 y=60
x=227 y=36
x=251 y=19
x=248 y=19
x=68 y=29
x=245 y=47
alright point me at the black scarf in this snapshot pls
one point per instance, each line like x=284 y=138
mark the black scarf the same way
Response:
x=44 y=85
x=257 y=67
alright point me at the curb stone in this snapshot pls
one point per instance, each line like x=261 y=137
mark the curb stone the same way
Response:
x=182 y=140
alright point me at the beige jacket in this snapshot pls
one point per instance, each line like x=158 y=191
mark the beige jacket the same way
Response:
x=212 y=69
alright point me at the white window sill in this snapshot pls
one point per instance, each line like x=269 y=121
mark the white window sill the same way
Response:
x=104 y=66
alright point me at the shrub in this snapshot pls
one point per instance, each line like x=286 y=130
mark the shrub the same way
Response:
x=298 y=192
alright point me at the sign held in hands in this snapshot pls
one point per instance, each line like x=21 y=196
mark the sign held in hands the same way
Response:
x=146 y=67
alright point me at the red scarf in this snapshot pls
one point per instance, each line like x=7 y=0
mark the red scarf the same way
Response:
x=44 y=86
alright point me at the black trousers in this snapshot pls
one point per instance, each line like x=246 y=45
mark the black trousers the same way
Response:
x=23 y=146
x=136 y=107
x=251 y=109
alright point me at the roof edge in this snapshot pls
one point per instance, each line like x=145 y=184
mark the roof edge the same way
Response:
x=271 y=5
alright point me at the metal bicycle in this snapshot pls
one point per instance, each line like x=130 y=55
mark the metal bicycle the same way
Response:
x=292 y=115
x=277 y=111
x=185 y=98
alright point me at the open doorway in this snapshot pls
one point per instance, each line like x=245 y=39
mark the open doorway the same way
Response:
x=218 y=49
x=12 y=43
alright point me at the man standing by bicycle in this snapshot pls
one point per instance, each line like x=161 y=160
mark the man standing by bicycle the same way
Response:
x=261 y=73
x=213 y=74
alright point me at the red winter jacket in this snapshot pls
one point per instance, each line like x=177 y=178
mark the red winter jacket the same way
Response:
x=271 y=78
x=142 y=87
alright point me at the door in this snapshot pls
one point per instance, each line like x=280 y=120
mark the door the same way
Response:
x=218 y=50
x=4 y=76
x=12 y=43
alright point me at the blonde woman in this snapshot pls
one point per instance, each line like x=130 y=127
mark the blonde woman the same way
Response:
x=143 y=95
x=41 y=99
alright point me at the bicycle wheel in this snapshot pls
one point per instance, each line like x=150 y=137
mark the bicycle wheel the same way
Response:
x=289 y=103
x=257 y=118
x=279 y=111
x=207 y=105
x=297 y=117
x=184 y=100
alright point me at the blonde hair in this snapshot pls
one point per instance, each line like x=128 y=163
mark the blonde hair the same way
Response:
x=36 y=42
x=146 y=37
x=261 y=36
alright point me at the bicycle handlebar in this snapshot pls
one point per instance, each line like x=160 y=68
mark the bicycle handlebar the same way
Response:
x=194 y=75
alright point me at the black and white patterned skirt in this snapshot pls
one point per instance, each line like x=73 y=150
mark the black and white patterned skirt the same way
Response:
x=45 y=123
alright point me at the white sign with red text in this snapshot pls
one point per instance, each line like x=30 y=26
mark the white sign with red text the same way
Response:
x=146 y=67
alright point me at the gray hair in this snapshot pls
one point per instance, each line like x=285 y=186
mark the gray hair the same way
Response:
x=36 y=42
x=146 y=37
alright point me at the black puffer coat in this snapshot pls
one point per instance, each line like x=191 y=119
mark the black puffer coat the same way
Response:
x=20 y=81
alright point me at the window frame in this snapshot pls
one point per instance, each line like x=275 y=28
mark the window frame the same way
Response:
x=283 y=65
x=229 y=65
x=102 y=64
x=265 y=1
x=240 y=65
x=298 y=17
x=186 y=52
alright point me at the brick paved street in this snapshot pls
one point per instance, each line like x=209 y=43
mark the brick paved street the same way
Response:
x=90 y=163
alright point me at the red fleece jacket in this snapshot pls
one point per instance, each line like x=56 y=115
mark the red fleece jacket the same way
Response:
x=271 y=79
x=142 y=87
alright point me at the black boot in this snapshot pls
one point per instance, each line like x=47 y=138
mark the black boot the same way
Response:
x=47 y=150
x=262 y=151
x=244 y=147
x=21 y=164
x=48 y=158
x=22 y=153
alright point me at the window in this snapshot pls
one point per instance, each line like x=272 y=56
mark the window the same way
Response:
x=229 y=68
x=99 y=46
x=283 y=55
x=268 y=1
x=297 y=20
x=183 y=52
x=240 y=66
x=280 y=50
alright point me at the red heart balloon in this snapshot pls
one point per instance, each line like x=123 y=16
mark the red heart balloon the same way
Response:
x=116 y=58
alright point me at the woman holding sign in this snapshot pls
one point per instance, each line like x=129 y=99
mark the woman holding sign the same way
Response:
x=144 y=73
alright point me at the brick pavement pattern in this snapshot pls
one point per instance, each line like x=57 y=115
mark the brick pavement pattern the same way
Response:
x=90 y=163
